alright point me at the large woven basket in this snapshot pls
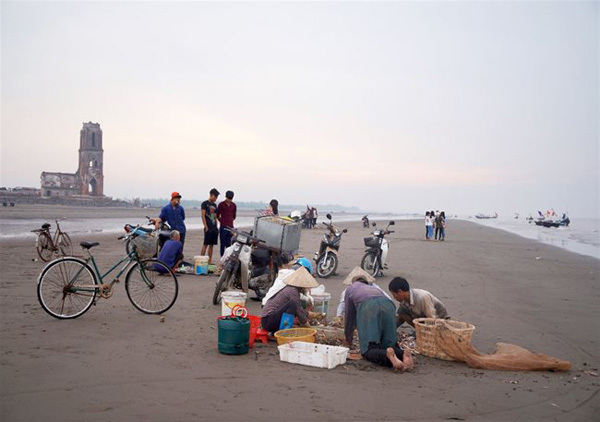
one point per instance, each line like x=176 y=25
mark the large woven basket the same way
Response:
x=427 y=335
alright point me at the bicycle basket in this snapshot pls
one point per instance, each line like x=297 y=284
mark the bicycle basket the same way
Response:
x=371 y=242
x=145 y=246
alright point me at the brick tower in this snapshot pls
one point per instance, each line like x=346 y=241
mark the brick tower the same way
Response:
x=90 y=176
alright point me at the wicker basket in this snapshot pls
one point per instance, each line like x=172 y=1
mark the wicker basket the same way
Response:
x=295 y=334
x=427 y=335
x=145 y=246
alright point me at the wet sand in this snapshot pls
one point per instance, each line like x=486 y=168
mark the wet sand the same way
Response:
x=117 y=364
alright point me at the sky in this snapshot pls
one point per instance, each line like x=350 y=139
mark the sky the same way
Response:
x=389 y=106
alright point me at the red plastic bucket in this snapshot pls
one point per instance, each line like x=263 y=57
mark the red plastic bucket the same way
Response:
x=254 y=326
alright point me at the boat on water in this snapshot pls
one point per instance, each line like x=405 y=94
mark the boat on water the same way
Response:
x=485 y=217
x=551 y=219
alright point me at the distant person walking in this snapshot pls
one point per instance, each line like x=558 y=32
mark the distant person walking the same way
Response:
x=443 y=226
x=439 y=226
x=173 y=214
x=428 y=225
x=226 y=214
x=315 y=215
x=431 y=223
x=209 y=220
x=309 y=217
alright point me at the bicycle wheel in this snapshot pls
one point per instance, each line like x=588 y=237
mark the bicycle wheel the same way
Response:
x=44 y=247
x=64 y=244
x=370 y=263
x=151 y=286
x=66 y=288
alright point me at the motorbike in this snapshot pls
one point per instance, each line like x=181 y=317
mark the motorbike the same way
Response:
x=365 y=221
x=159 y=236
x=327 y=259
x=374 y=261
x=248 y=264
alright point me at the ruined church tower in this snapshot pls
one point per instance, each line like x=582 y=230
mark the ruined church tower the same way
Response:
x=90 y=173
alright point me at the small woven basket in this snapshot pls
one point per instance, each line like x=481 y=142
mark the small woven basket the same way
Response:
x=427 y=335
x=295 y=334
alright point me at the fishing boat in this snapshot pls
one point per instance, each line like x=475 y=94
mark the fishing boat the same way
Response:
x=551 y=219
x=485 y=217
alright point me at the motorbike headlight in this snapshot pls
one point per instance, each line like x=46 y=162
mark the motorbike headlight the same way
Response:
x=242 y=238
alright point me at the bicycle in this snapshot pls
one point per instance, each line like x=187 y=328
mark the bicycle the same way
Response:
x=68 y=286
x=47 y=245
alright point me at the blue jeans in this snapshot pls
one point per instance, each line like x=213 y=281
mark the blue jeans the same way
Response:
x=225 y=239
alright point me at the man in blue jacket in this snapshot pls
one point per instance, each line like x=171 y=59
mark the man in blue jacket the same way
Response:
x=174 y=214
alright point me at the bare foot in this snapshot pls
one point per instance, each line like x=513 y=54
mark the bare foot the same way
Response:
x=396 y=363
x=408 y=361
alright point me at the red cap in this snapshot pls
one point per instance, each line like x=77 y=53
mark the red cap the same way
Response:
x=175 y=195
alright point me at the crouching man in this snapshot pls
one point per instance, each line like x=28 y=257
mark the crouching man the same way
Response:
x=372 y=313
x=171 y=252
x=415 y=303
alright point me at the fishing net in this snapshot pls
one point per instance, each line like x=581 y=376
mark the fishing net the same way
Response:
x=507 y=357
x=145 y=246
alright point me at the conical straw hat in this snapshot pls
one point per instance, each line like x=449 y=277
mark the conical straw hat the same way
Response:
x=301 y=278
x=358 y=274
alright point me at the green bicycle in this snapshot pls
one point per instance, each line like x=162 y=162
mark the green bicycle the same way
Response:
x=68 y=287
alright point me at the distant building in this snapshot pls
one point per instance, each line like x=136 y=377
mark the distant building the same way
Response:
x=89 y=178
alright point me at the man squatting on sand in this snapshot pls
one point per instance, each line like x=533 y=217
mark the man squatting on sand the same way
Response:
x=415 y=303
x=373 y=314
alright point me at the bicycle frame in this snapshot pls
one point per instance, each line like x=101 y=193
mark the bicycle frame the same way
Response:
x=128 y=259
x=56 y=234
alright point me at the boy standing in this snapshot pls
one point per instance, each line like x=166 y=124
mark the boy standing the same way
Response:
x=226 y=214
x=209 y=219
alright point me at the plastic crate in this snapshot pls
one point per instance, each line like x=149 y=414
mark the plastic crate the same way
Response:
x=311 y=354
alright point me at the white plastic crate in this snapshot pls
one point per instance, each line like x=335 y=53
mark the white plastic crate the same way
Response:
x=312 y=354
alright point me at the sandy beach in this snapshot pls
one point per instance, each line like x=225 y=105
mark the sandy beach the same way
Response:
x=117 y=364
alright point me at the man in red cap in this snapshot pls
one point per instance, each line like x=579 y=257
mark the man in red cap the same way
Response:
x=174 y=214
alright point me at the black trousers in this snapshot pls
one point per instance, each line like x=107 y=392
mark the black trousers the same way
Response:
x=438 y=233
x=377 y=354
x=271 y=322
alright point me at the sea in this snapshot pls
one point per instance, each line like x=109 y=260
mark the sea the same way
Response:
x=582 y=236
x=20 y=228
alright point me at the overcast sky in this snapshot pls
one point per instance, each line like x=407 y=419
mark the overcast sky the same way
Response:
x=406 y=106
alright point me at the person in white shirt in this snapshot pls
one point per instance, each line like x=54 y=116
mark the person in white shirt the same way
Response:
x=415 y=303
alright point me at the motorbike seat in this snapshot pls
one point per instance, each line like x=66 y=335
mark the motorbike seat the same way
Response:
x=145 y=229
x=88 y=245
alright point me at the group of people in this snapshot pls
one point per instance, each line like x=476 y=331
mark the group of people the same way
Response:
x=310 y=217
x=218 y=221
x=364 y=306
x=435 y=222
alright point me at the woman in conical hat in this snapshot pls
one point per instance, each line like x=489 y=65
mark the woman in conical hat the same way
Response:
x=287 y=300
x=368 y=309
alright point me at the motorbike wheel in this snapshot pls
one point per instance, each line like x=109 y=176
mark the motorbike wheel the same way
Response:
x=370 y=263
x=327 y=265
x=222 y=285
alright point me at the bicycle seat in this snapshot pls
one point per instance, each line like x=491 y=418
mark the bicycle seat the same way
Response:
x=46 y=226
x=88 y=245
